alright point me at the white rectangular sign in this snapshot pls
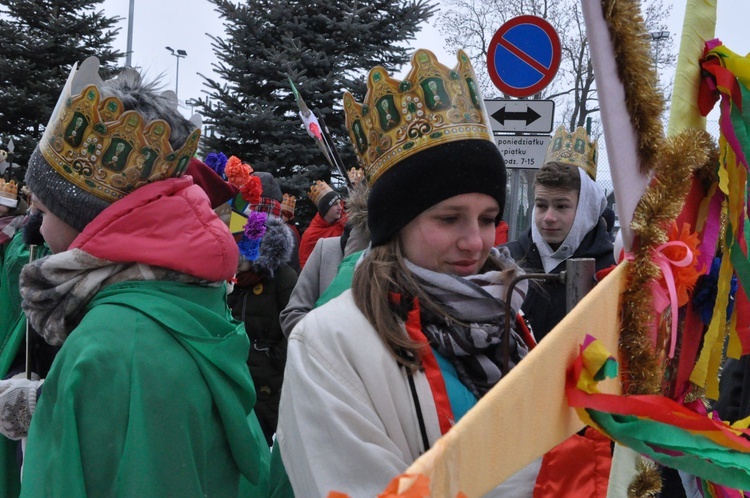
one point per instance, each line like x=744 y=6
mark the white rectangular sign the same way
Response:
x=522 y=151
x=529 y=116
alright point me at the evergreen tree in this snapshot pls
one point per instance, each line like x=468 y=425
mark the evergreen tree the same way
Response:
x=325 y=47
x=42 y=39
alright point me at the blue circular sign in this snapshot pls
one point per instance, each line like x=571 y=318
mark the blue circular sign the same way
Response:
x=523 y=56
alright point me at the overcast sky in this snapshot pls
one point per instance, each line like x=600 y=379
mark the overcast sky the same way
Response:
x=183 y=24
x=188 y=23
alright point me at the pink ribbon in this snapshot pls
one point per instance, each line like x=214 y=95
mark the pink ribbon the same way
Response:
x=662 y=296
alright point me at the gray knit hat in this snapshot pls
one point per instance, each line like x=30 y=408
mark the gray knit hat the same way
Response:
x=271 y=188
x=70 y=203
x=106 y=139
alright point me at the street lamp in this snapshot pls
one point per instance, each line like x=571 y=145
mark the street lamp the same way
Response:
x=656 y=37
x=178 y=55
x=129 y=51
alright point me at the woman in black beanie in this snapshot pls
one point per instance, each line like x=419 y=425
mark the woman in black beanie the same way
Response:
x=377 y=375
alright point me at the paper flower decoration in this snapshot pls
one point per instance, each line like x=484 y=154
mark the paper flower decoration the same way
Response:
x=237 y=172
x=249 y=248
x=217 y=162
x=686 y=276
x=251 y=190
x=255 y=227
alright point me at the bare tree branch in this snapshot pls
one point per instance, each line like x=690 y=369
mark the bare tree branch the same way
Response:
x=470 y=25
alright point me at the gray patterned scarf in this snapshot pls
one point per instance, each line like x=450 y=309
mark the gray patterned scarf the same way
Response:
x=56 y=289
x=474 y=345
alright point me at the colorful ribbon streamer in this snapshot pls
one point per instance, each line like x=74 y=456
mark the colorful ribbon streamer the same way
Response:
x=665 y=431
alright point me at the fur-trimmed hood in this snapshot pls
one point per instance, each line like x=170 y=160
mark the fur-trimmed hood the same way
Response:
x=275 y=247
x=357 y=236
x=356 y=208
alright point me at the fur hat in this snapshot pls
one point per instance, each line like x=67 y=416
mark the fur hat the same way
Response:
x=106 y=139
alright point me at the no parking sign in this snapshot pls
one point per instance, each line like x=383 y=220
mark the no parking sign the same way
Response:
x=523 y=56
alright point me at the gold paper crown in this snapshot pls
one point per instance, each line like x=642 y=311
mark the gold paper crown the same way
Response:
x=574 y=149
x=95 y=144
x=356 y=175
x=432 y=106
x=288 y=203
x=318 y=190
x=8 y=190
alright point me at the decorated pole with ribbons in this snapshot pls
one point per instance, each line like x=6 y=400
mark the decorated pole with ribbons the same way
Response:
x=318 y=131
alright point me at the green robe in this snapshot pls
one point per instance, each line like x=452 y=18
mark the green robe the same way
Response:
x=149 y=396
x=13 y=256
x=342 y=282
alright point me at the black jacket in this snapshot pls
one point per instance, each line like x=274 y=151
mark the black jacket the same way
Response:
x=545 y=303
x=257 y=300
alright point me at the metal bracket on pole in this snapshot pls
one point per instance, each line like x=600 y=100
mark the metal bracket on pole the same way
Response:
x=559 y=277
x=578 y=278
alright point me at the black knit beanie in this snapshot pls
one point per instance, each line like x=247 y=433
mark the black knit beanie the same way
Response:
x=433 y=175
x=327 y=201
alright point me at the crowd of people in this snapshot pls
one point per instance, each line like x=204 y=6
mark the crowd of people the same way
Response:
x=167 y=332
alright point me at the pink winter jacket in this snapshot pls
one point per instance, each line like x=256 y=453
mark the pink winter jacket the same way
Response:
x=168 y=223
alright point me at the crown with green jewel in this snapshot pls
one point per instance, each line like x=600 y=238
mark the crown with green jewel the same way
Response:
x=8 y=193
x=96 y=144
x=431 y=106
x=574 y=149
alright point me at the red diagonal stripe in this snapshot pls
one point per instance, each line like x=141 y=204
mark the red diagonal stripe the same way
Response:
x=523 y=56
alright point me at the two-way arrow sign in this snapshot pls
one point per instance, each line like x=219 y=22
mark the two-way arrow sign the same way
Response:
x=530 y=116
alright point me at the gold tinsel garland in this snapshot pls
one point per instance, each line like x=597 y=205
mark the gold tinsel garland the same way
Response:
x=679 y=157
x=672 y=163
x=647 y=483
x=637 y=72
